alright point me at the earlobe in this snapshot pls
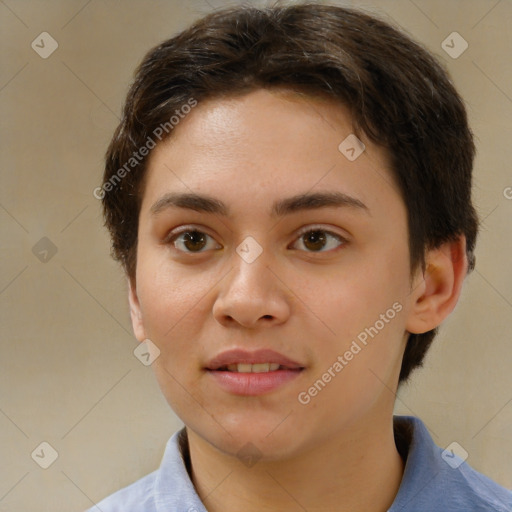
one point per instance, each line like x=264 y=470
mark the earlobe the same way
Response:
x=437 y=292
x=135 y=311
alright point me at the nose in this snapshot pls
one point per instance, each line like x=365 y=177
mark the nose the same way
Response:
x=251 y=295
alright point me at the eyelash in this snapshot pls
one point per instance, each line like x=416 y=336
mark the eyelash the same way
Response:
x=172 y=237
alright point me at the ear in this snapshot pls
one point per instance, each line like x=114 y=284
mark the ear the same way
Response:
x=436 y=290
x=135 y=311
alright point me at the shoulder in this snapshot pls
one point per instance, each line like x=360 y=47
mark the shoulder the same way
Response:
x=438 y=479
x=138 y=496
x=168 y=488
x=479 y=491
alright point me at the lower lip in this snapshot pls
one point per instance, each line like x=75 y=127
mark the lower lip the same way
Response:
x=253 y=384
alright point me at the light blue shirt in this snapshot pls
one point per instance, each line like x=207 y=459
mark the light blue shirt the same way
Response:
x=434 y=480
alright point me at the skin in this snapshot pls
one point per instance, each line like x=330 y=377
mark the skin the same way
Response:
x=337 y=452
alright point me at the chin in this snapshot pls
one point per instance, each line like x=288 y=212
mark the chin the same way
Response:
x=268 y=439
x=253 y=446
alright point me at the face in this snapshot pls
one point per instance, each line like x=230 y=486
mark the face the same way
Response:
x=320 y=287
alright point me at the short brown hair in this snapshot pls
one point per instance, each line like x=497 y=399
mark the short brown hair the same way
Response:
x=398 y=94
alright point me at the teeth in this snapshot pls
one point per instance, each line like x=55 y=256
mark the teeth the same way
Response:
x=253 y=368
x=261 y=368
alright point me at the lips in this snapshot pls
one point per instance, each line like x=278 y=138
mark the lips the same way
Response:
x=244 y=373
x=259 y=361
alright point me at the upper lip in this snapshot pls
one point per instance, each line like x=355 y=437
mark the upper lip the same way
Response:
x=237 y=356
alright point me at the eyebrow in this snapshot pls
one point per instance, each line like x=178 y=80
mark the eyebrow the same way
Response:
x=280 y=208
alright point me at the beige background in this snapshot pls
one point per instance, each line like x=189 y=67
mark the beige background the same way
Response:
x=68 y=375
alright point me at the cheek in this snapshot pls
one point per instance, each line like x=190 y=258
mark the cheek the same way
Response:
x=170 y=304
x=364 y=359
x=364 y=307
x=354 y=297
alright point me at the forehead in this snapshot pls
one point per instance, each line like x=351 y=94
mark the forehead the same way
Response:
x=265 y=145
x=243 y=124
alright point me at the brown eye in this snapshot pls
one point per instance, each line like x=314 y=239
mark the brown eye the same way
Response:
x=316 y=240
x=190 y=241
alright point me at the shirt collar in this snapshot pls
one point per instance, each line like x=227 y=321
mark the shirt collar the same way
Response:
x=173 y=486
x=423 y=462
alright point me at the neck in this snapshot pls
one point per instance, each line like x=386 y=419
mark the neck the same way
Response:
x=360 y=470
